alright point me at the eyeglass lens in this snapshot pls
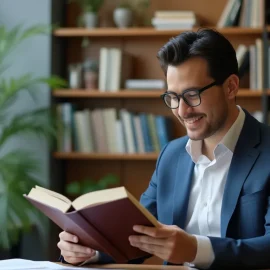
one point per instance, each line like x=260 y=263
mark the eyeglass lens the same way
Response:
x=192 y=98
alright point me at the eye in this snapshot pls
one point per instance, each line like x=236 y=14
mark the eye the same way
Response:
x=191 y=94
x=172 y=97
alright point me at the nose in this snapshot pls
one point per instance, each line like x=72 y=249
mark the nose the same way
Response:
x=183 y=108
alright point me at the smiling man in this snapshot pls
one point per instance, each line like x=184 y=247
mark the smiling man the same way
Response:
x=210 y=189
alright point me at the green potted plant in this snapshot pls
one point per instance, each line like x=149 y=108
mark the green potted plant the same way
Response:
x=77 y=188
x=18 y=167
x=89 y=12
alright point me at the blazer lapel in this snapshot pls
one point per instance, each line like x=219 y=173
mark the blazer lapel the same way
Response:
x=183 y=180
x=243 y=159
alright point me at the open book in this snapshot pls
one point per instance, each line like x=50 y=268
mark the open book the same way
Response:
x=102 y=220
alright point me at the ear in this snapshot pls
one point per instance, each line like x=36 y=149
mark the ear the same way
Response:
x=231 y=86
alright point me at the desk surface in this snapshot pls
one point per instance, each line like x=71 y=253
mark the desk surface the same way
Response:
x=135 y=267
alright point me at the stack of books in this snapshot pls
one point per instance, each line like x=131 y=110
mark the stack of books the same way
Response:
x=170 y=20
x=145 y=84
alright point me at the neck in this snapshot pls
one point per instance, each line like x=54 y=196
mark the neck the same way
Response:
x=209 y=144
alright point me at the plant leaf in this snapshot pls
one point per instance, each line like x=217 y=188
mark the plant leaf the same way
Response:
x=39 y=122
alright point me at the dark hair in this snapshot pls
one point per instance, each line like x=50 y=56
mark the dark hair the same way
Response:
x=206 y=43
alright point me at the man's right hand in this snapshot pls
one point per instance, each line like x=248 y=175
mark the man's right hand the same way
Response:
x=71 y=251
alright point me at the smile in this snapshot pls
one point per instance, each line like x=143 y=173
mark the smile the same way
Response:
x=193 y=120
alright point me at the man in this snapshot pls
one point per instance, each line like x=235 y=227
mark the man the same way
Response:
x=210 y=190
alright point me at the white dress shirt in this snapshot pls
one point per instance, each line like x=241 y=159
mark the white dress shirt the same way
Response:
x=206 y=194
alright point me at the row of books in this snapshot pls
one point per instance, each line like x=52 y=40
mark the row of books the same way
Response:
x=110 y=130
x=243 y=13
x=251 y=58
x=178 y=19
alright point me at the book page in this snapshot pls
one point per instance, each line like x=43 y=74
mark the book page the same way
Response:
x=48 y=199
x=54 y=194
x=99 y=197
x=146 y=213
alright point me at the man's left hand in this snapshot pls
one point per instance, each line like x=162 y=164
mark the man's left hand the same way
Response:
x=167 y=242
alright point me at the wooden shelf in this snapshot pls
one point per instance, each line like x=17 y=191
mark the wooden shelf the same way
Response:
x=104 y=156
x=251 y=93
x=82 y=93
x=144 y=31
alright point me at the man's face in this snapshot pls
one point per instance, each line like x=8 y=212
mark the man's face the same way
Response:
x=210 y=116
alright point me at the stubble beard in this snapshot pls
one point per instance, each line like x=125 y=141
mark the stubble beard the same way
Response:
x=208 y=130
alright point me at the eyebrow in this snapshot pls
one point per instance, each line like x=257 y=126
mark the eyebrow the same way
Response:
x=187 y=89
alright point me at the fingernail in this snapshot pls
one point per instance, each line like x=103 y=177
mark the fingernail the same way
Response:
x=75 y=239
x=89 y=251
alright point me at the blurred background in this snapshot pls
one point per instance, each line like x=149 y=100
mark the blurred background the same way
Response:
x=80 y=106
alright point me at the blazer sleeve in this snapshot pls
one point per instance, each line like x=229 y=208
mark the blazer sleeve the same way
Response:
x=243 y=253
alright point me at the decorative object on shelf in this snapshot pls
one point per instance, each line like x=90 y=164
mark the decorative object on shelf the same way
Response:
x=141 y=12
x=89 y=12
x=123 y=15
x=18 y=167
x=77 y=188
x=90 y=74
x=75 y=75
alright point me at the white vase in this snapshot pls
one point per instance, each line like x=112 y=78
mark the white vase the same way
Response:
x=122 y=17
x=90 y=19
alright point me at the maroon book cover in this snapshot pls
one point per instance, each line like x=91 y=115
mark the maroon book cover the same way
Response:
x=73 y=222
x=104 y=227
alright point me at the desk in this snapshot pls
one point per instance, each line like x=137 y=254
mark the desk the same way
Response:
x=135 y=267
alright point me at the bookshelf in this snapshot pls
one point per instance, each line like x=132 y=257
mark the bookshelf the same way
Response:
x=98 y=156
x=134 y=170
x=81 y=93
x=146 y=31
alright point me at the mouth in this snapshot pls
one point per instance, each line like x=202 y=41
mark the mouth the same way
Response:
x=193 y=121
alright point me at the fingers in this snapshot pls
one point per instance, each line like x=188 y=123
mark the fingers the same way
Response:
x=71 y=251
x=66 y=253
x=160 y=232
x=75 y=248
x=68 y=237
x=146 y=240
x=75 y=260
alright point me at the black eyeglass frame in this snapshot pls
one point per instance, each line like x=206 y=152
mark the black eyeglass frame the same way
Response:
x=198 y=91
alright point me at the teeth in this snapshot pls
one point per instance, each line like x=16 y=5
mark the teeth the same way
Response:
x=192 y=120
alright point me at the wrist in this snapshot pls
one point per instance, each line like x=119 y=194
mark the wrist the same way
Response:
x=192 y=251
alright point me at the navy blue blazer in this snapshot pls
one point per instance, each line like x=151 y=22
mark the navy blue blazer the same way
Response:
x=245 y=213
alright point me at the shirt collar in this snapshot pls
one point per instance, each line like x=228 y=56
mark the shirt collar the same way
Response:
x=229 y=140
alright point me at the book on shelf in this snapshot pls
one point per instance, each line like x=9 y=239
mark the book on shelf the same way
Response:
x=145 y=84
x=115 y=67
x=102 y=220
x=230 y=14
x=243 y=13
x=164 y=20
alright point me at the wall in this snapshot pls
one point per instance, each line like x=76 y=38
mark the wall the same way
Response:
x=32 y=56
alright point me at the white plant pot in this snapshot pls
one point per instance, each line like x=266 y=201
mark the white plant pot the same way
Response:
x=90 y=19
x=122 y=17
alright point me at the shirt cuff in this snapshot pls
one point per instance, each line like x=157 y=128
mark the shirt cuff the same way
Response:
x=205 y=254
x=93 y=259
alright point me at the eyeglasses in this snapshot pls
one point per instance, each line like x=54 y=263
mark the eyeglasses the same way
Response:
x=191 y=97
